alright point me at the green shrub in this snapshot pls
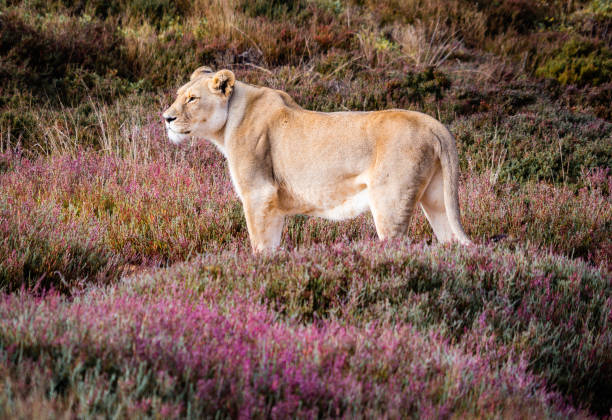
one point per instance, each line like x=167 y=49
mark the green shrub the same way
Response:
x=579 y=62
x=594 y=21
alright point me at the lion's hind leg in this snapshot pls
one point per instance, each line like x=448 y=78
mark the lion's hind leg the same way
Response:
x=432 y=203
x=392 y=203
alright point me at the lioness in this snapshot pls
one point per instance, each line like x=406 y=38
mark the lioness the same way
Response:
x=285 y=160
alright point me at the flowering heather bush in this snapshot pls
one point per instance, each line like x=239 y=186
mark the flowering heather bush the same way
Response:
x=127 y=285
x=157 y=345
x=88 y=216
x=573 y=223
x=536 y=304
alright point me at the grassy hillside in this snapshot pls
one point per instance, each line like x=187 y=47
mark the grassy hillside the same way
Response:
x=127 y=287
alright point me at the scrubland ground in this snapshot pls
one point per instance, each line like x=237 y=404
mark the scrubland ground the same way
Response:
x=127 y=284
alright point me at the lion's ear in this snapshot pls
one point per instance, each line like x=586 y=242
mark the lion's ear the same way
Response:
x=222 y=82
x=200 y=71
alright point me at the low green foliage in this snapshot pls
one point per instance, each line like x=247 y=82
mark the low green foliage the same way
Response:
x=579 y=62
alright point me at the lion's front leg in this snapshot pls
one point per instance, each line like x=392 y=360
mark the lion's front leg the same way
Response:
x=264 y=221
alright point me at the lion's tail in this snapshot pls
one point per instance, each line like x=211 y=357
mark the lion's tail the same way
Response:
x=450 y=176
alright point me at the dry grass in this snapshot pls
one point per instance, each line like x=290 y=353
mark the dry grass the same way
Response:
x=426 y=45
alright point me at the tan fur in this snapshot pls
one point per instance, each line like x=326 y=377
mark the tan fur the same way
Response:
x=285 y=160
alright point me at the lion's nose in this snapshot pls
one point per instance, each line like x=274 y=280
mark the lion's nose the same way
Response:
x=169 y=119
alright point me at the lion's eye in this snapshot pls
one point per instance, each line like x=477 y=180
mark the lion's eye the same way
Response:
x=191 y=99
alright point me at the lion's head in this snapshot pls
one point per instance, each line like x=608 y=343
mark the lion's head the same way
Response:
x=201 y=106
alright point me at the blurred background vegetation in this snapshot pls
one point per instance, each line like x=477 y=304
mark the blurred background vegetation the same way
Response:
x=525 y=85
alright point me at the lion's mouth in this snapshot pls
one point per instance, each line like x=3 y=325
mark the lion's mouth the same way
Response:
x=177 y=137
x=179 y=132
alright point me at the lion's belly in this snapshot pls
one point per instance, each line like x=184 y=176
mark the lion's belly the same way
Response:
x=331 y=199
x=349 y=208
